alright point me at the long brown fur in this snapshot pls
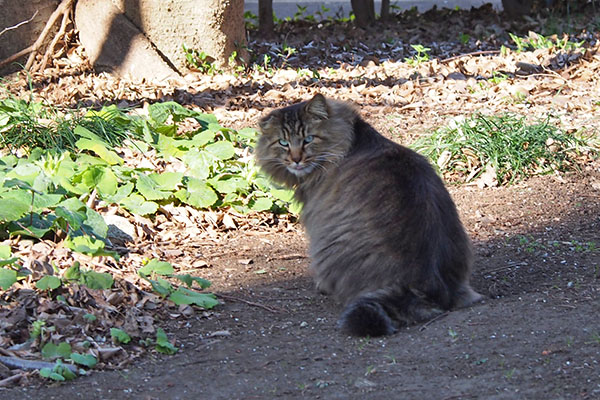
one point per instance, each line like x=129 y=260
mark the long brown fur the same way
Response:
x=385 y=236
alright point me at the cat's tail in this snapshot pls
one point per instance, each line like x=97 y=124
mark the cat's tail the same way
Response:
x=382 y=312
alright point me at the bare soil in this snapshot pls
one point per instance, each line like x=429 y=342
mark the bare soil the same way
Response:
x=536 y=336
x=537 y=244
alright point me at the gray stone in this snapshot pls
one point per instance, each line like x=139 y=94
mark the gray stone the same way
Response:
x=120 y=230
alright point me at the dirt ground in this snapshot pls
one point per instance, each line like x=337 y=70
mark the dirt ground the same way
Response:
x=536 y=336
x=537 y=245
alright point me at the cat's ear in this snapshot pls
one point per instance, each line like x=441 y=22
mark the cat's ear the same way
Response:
x=267 y=122
x=317 y=107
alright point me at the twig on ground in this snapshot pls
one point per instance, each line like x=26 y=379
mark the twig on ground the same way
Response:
x=91 y=203
x=509 y=266
x=251 y=303
x=14 y=362
x=474 y=53
x=16 y=56
x=10 y=380
x=10 y=28
x=431 y=321
x=287 y=257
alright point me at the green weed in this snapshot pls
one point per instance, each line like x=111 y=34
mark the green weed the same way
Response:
x=453 y=334
x=505 y=144
x=153 y=272
x=236 y=63
x=497 y=77
x=200 y=61
x=464 y=38
x=25 y=125
x=37 y=328
x=583 y=247
x=363 y=342
x=59 y=372
x=285 y=53
x=421 y=56
x=529 y=244
x=250 y=20
x=536 y=41
x=322 y=11
x=301 y=14
x=163 y=345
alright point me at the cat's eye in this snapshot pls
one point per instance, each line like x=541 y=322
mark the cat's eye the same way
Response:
x=309 y=139
x=284 y=142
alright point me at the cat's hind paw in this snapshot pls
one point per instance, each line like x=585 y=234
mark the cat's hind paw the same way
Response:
x=366 y=317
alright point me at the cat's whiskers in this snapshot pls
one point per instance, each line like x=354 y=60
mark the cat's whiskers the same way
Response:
x=318 y=166
x=328 y=158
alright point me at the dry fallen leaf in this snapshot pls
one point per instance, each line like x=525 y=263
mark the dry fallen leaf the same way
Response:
x=488 y=178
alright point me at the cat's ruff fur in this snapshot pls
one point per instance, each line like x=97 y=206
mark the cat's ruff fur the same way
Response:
x=385 y=236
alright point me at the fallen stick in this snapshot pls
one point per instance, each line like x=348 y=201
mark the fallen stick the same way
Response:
x=10 y=28
x=14 y=362
x=287 y=257
x=474 y=53
x=16 y=56
x=251 y=303
x=11 y=379
x=431 y=321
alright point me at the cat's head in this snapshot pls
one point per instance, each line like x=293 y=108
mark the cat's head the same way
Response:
x=305 y=139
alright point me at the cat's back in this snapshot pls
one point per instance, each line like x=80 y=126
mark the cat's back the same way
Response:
x=382 y=206
x=379 y=170
x=382 y=194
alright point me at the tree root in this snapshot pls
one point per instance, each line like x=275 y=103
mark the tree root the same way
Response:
x=64 y=10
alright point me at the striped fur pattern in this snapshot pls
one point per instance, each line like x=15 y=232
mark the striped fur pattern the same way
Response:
x=385 y=236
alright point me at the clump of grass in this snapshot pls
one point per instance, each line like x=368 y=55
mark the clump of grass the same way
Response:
x=25 y=125
x=513 y=148
x=536 y=41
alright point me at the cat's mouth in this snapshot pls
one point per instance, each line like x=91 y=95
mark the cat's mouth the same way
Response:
x=300 y=169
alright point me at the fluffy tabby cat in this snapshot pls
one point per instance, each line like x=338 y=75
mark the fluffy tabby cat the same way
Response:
x=385 y=236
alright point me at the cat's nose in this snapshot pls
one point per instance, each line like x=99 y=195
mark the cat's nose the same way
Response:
x=295 y=156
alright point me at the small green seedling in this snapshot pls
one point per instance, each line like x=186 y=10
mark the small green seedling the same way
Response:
x=59 y=372
x=421 y=56
x=162 y=343
x=119 y=336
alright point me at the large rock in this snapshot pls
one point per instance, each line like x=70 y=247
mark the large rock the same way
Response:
x=113 y=43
